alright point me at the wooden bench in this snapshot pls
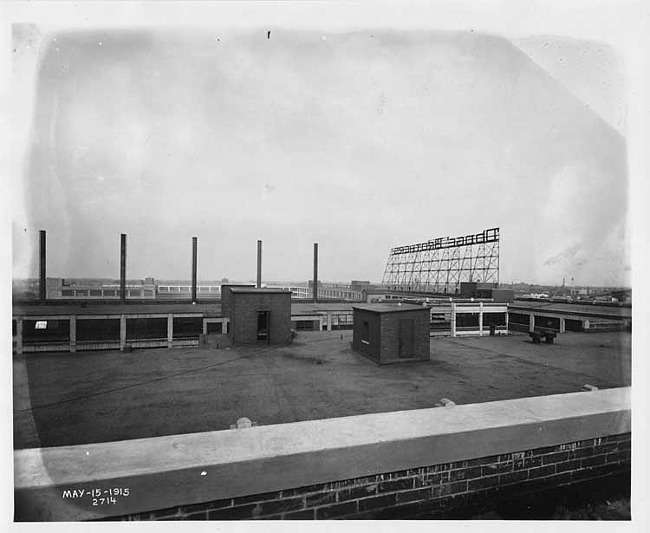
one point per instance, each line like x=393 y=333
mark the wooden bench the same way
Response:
x=537 y=336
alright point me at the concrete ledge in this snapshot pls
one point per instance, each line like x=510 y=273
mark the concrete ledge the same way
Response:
x=185 y=469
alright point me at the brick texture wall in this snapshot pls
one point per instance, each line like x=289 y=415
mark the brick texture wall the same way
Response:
x=243 y=315
x=432 y=491
x=226 y=297
x=371 y=348
x=390 y=335
x=383 y=334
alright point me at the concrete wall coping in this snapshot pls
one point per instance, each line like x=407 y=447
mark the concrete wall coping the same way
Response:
x=109 y=460
x=265 y=458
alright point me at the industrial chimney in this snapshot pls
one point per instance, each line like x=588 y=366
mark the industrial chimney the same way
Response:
x=42 y=287
x=315 y=272
x=259 y=264
x=194 y=247
x=123 y=267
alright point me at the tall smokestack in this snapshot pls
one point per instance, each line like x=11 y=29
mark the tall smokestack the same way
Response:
x=123 y=267
x=194 y=239
x=315 y=272
x=42 y=288
x=259 y=264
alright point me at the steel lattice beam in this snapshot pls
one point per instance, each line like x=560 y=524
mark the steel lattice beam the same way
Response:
x=440 y=265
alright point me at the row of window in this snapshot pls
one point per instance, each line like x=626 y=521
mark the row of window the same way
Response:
x=341 y=294
x=106 y=293
x=188 y=288
x=132 y=293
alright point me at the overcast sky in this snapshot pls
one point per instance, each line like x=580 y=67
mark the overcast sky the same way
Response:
x=358 y=141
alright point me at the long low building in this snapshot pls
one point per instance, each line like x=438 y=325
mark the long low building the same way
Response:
x=107 y=326
x=568 y=317
x=103 y=326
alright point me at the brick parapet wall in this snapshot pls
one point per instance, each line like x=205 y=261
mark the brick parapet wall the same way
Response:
x=401 y=459
x=431 y=490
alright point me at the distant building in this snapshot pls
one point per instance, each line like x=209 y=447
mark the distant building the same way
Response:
x=61 y=289
x=472 y=289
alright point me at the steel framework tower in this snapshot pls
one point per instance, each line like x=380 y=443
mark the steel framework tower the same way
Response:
x=440 y=265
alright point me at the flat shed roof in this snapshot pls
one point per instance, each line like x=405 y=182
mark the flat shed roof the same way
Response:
x=308 y=307
x=390 y=308
x=254 y=290
x=117 y=308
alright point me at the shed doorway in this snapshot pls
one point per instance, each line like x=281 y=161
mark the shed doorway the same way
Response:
x=406 y=337
x=263 y=323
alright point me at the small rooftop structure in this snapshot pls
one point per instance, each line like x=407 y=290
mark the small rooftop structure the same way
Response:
x=225 y=297
x=259 y=315
x=391 y=333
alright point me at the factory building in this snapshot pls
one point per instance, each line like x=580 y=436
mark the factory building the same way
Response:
x=487 y=291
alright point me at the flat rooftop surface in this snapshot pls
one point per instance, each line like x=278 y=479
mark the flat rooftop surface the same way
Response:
x=117 y=308
x=575 y=309
x=305 y=308
x=65 y=399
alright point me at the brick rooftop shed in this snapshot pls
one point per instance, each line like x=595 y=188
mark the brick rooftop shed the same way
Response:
x=391 y=333
x=260 y=315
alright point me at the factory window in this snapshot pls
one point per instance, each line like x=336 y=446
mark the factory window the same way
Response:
x=306 y=325
x=494 y=319
x=110 y=292
x=67 y=292
x=46 y=330
x=213 y=327
x=98 y=330
x=517 y=318
x=467 y=320
x=147 y=328
x=95 y=292
x=341 y=321
x=187 y=327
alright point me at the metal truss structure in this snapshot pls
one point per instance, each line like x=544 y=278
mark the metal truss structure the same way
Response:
x=440 y=265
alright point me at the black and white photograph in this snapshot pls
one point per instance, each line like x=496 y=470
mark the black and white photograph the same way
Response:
x=325 y=261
